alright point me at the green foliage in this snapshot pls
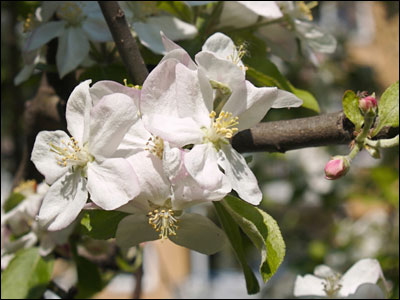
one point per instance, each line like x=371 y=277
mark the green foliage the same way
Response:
x=101 y=224
x=351 y=110
x=89 y=278
x=177 y=8
x=388 y=108
x=262 y=230
x=27 y=275
x=13 y=201
x=233 y=233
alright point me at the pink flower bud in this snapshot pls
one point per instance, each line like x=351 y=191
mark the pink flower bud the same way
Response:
x=336 y=167
x=367 y=103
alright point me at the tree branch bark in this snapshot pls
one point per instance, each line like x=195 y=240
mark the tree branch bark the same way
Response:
x=126 y=44
x=282 y=136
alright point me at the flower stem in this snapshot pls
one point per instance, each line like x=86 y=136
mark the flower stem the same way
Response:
x=368 y=122
x=383 y=143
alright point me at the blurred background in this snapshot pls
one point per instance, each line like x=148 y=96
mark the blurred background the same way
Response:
x=323 y=222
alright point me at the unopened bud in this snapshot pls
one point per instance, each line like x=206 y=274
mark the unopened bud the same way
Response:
x=336 y=167
x=367 y=104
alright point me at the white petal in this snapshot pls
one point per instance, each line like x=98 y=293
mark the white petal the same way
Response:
x=168 y=44
x=44 y=159
x=134 y=140
x=110 y=120
x=253 y=108
x=182 y=56
x=309 y=285
x=24 y=74
x=78 y=112
x=106 y=87
x=239 y=174
x=173 y=28
x=368 y=291
x=63 y=202
x=267 y=9
x=73 y=46
x=112 y=183
x=154 y=184
x=159 y=90
x=177 y=131
x=96 y=29
x=201 y=164
x=236 y=15
x=364 y=271
x=286 y=99
x=317 y=39
x=149 y=36
x=324 y=271
x=43 y=34
x=221 y=70
x=223 y=47
x=199 y=233
x=133 y=230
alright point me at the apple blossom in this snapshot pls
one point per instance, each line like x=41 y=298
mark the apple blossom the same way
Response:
x=337 y=167
x=146 y=21
x=97 y=119
x=359 y=282
x=79 y=22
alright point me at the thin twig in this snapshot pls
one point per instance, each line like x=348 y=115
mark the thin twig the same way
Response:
x=126 y=44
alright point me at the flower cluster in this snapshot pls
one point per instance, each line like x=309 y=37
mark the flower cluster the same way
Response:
x=157 y=150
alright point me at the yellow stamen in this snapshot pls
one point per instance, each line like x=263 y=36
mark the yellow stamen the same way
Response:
x=26 y=187
x=70 y=12
x=70 y=153
x=223 y=125
x=306 y=8
x=155 y=145
x=162 y=220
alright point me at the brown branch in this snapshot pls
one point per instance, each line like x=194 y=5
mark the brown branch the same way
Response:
x=126 y=44
x=281 y=136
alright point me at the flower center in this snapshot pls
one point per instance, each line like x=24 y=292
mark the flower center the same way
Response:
x=27 y=187
x=237 y=55
x=155 y=145
x=71 y=12
x=305 y=9
x=29 y=23
x=71 y=154
x=332 y=286
x=163 y=221
x=222 y=128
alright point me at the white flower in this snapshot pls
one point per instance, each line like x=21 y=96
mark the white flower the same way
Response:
x=146 y=22
x=204 y=105
x=359 y=282
x=80 y=22
x=97 y=118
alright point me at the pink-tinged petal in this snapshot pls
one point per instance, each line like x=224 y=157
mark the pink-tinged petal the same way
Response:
x=178 y=131
x=221 y=70
x=266 y=9
x=63 y=201
x=239 y=174
x=309 y=285
x=206 y=89
x=154 y=184
x=364 y=271
x=159 y=90
x=44 y=159
x=168 y=44
x=112 y=183
x=106 y=87
x=43 y=34
x=182 y=56
x=133 y=230
x=286 y=99
x=78 y=112
x=191 y=102
x=110 y=120
x=73 y=47
x=201 y=164
x=253 y=108
x=134 y=140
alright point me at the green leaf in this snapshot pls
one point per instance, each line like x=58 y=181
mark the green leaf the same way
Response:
x=27 y=275
x=13 y=201
x=351 y=110
x=388 y=108
x=89 y=278
x=233 y=233
x=262 y=230
x=309 y=100
x=101 y=224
